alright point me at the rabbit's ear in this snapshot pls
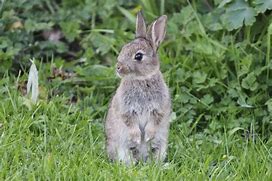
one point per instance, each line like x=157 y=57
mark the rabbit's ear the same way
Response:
x=156 y=31
x=140 y=26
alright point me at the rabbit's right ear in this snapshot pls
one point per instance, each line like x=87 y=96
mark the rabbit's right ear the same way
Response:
x=156 y=31
x=140 y=25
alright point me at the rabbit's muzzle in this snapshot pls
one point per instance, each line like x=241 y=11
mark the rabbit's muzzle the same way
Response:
x=121 y=68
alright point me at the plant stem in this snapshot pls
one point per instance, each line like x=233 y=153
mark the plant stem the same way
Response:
x=268 y=51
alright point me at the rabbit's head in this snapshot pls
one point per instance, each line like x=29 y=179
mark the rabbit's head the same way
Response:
x=139 y=57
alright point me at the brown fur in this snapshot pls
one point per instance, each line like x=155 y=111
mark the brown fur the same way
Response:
x=138 y=119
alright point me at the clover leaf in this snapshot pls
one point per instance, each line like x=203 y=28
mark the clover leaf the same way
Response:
x=237 y=14
x=250 y=82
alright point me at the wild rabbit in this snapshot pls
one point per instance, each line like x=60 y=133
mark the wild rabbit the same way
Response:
x=138 y=118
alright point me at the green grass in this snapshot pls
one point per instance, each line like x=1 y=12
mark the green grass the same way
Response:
x=55 y=140
x=217 y=66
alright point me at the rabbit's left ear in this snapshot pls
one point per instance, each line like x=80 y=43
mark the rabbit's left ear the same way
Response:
x=156 y=31
x=140 y=26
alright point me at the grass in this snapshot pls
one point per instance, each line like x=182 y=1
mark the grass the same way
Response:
x=54 y=140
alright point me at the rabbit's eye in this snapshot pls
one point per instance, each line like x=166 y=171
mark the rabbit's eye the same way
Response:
x=138 y=56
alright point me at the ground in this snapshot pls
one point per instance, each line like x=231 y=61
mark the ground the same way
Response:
x=56 y=140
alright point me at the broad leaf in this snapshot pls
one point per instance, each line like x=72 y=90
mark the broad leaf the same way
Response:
x=199 y=77
x=237 y=14
x=207 y=99
x=263 y=5
x=223 y=3
x=250 y=82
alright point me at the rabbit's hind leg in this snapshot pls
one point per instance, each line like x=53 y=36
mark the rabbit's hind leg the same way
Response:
x=158 y=149
x=118 y=149
x=157 y=137
x=121 y=140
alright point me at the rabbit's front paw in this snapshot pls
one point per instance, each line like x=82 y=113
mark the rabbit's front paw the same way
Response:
x=149 y=132
x=135 y=135
x=157 y=116
x=128 y=119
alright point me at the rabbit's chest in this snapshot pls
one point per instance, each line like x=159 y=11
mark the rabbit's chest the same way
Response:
x=141 y=101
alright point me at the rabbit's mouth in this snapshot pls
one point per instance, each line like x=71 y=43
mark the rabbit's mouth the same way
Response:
x=120 y=75
x=122 y=69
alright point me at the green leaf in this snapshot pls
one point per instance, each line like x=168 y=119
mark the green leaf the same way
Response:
x=184 y=22
x=5 y=42
x=263 y=5
x=223 y=3
x=245 y=64
x=203 y=47
x=95 y=72
x=31 y=25
x=70 y=29
x=249 y=82
x=182 y=75
x=212 y=20
x=237 y=5
x=5 y=60
x=234 y=130
x=102 y=43
x=199 y=77
x=238 y=14
x=207 y=99
x=269 y=105
x=183 y=98
x=57 y=46
x=270 y=29
x=233 y=93
x=186 y=15
x=242 y=102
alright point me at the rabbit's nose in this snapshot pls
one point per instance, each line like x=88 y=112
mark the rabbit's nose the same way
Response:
x=119 y=67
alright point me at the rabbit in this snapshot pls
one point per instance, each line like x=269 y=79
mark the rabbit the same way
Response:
x=137 y=122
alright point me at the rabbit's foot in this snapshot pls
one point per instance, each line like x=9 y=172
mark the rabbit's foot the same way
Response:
x=149 y=132
x=135 y=135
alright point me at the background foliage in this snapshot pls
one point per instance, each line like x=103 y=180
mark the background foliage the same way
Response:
x=216 y=57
